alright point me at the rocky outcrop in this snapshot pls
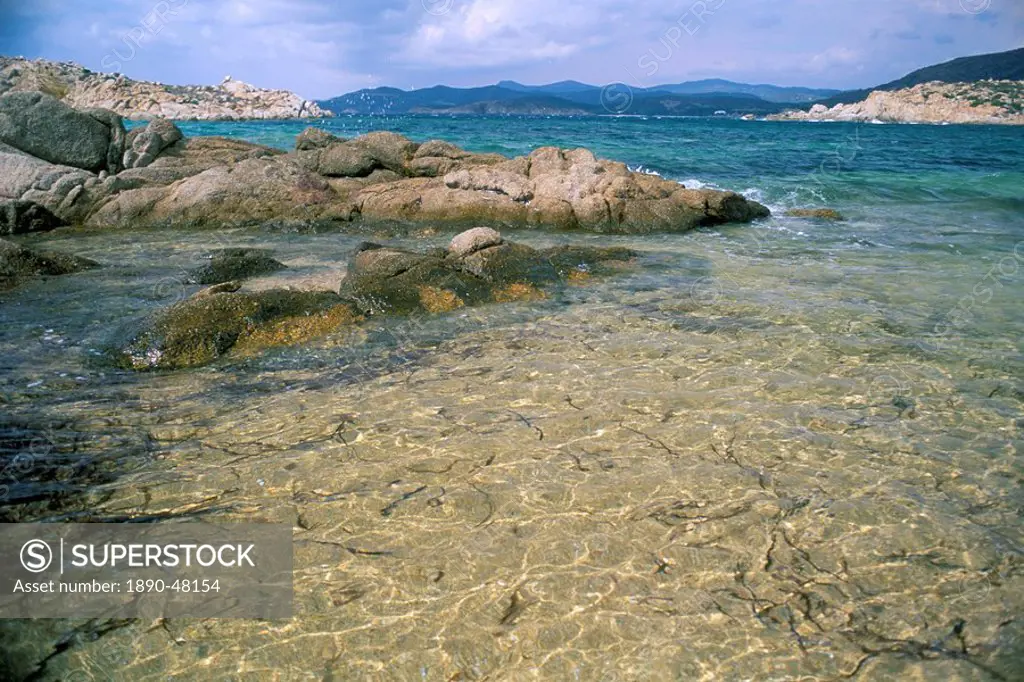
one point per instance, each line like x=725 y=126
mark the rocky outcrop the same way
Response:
x=49 y=129
x=18 y=263
x=334 y=157
x=565 y=189
x=479 y=267
x=22 y=217
x=141 y=100
x=382 y=176
x=982 y=102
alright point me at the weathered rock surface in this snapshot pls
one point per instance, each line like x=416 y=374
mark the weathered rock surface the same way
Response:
x=49 y=129
x=228 y=265
x=381 y=280
x=387 y=280
x=22 y=217
x=315 y=138
x=473 y=240
x=57 y=188
x=981 y=102
x=18 y=263
x=565 y=189
x=141 y=100
x=255 y=189
x=146 y=144
x=201 y=329
x=354 y=158
x=118 y=137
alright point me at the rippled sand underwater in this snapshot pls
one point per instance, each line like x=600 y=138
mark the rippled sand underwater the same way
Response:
x=750 y=457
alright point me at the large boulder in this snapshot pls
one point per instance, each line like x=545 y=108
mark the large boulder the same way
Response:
x=183 y=159
x=253 y=190
x=507 y=263
x=49 y=129
x=18 y=263
x=21 y=217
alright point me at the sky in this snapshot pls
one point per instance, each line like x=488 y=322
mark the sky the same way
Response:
x=323 y=48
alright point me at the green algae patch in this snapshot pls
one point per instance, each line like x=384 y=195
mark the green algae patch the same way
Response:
x=518 y=292
x=199 y=330
x=293 y=330
x=438 y=300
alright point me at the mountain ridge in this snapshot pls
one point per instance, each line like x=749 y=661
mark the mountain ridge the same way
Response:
x=571 y=97
x=691 y=98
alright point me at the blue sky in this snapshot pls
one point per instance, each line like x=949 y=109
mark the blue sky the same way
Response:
x=321 y=48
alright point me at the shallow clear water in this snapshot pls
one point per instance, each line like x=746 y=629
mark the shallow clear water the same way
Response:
x=783 y=451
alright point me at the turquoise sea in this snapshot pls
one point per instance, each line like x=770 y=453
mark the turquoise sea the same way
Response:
x=791 y=450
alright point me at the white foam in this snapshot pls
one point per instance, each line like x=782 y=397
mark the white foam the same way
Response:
x=643 y=171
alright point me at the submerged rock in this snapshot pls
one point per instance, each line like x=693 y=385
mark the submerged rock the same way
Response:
x=17 y=263
x=235 y=264
x=381 y=280
x=222 y=288
x=478 y=267
x=201 y=329
x=571 y=261
x=818 y=213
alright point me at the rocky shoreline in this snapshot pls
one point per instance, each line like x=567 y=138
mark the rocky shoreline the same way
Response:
x=992 y=102
x=82 y=167
x=79 y=87
x=62 y=166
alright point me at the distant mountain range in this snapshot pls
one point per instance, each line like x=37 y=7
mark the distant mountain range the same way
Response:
x=695 y=98
x=769 y=93
x=692 y=98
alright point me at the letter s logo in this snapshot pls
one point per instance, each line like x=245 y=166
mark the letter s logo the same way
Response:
x=36 y=556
